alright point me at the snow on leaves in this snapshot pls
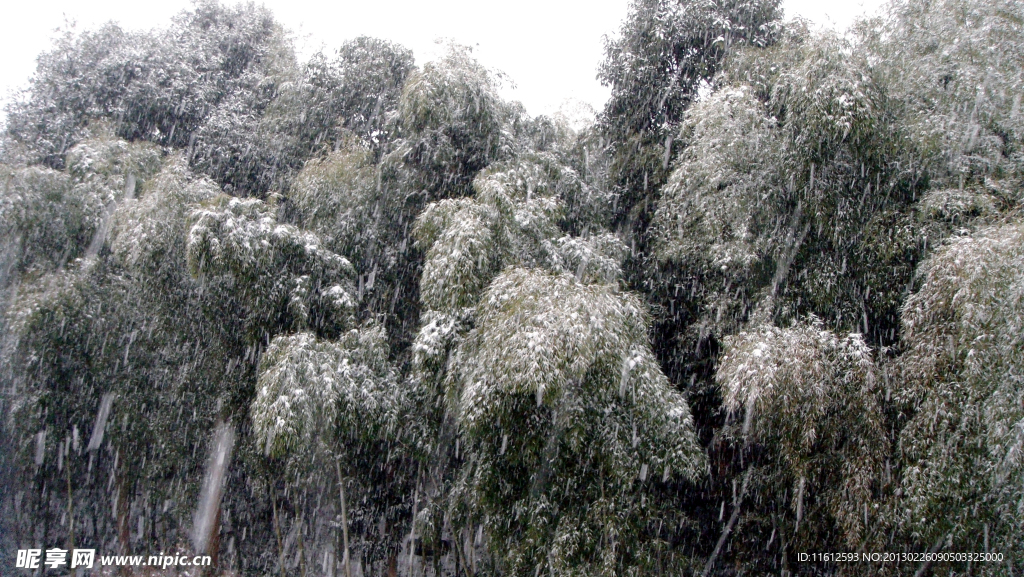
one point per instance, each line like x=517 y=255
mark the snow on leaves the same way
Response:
x=52 y=217
x=709 y=208
x=307 y=387
x=453 y=118
x=810 y=398
x=561 y=402
x=553 y=339
x=460 y=253
x=786 y=175
x=337 y=198
x=956 y=65
x=150 y=231
x=241 y=238
x=961 y=375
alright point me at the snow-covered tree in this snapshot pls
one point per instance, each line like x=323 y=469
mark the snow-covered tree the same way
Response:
x=110 y=344
x=685 y=337
x=48 y=218
x=805 y=404
x=452 y=121
x=665 y=51
x=794 y=194
x=326 y=395
x=361 y=211
x=527 y=330
x=955 y=66
x=282 y=277
x=568 y=423
x=358 y=90
x=324 y=406
x=308 y=386
x=962 y=448
x=337 y=197
x=160 y=86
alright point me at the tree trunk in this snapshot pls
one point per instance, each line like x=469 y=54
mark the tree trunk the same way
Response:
x=347 y=560
x=300 y=543
x=935 y=548
x=412 y=530
x=122 y=517
x=277 y=531
x=728 y=527
x=463 y=552
x=71 y=504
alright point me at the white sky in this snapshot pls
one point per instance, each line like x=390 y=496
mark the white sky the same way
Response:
x=549 y=48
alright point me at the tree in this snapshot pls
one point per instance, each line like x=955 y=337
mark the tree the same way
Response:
x=794 y=195
x=50 y=217
x=362 y=212
x=962 y=444
x=452 y=123
x=506 y=290
x=280 y=276
x=954 y=66
x=322 y=385
x=664 y=53
x=359 y=90
x=767 y=304
x=791 y=200
x=566 y=417
x=105 y=344
x=805 y=403
x=159 y=87
x=325 y=405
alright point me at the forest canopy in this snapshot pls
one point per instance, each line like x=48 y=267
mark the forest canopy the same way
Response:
x=361 y=315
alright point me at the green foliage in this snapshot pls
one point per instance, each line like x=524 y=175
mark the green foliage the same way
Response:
x=962 y=446
x=242 y=241
x=452 y=118
x=159 y=87
x=807 y=400
x=513 y=219
x=664 y=53
x=360 y=88
x=201 y=233
x=666 y=50
x=50 y=217
x=955 y=67
x=460 y=260
x=709 y=208
x=573 y=141
x=594 y=260
x=112 y=160
x=324 y=406
x=493 y=343
x=337 y=198
x=42 y=218
x=561 y=403
x=127 y=326
x=147 y=233
x=363 y=211
x=535 y=339
x=175 y=353
x=308 y=389
x=794 y=195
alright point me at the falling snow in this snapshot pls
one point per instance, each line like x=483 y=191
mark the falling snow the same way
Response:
x=359 y=315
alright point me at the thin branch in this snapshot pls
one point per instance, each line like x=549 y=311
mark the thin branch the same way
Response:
x=935 y=548
x=728 y=526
